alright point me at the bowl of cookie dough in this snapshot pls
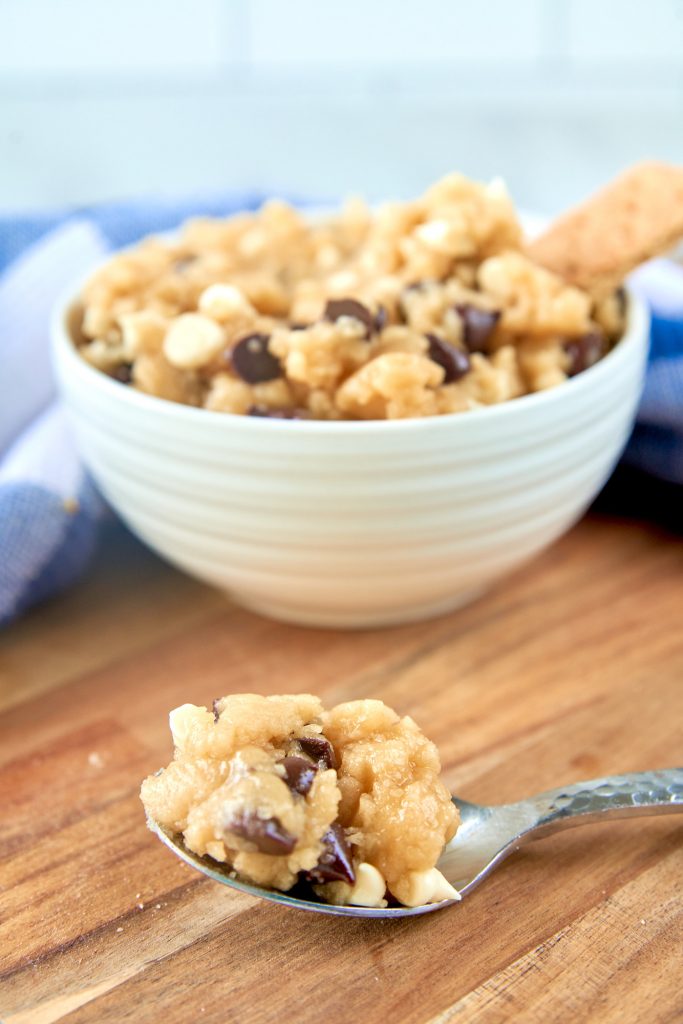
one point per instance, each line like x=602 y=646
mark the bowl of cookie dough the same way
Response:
x=355 y=422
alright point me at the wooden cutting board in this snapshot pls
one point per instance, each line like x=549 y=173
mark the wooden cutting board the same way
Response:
x=570 y=670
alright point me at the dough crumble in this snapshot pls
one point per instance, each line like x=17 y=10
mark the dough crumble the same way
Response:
x=391 y=313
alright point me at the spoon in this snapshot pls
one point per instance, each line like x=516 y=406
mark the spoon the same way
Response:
x=487 y=835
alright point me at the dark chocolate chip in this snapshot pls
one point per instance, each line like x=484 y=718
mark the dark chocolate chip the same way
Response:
x=267 y=834
x=477 y=326
x=454 y=362
x=253 y=362
x=216 y=710
x=620 y=296
x=335 y=863
x=123 y=373
x=298 y=327
x=299 y=773
x=320 y=749
x=381 y=319
x=275 y=414
x=391 y=899
x=583 y=352
x=337 y=308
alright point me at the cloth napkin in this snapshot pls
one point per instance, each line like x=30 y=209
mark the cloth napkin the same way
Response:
x=49 y=509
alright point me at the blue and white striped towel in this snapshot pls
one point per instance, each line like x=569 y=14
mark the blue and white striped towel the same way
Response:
x=49 y=509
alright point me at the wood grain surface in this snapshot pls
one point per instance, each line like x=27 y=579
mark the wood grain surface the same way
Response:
x=571 y=669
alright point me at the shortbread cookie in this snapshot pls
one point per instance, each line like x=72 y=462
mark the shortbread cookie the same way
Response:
x=636 y=217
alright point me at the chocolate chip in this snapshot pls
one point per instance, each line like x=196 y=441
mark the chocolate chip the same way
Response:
x=267 y=834
x=477 y=326
x=320 y=749
x=298 y=327
x=123 y=373
x=455 y=362
x=216 y=710
x=584 y=352
x=299 y=773
x=381 y=319
x=335 y=863
x=337 y=308
x=275 y=414
x=620 y=296
x=252 y=361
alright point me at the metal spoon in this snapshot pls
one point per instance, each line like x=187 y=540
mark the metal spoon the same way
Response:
x=487 y=835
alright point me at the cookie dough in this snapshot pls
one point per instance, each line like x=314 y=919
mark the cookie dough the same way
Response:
x=414 y=309
x=347 y=800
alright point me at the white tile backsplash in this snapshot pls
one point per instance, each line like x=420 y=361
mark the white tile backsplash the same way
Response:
x=626 y=30
x=98 y=37
x=106 y=100
x=323 y=148
x=381 y=32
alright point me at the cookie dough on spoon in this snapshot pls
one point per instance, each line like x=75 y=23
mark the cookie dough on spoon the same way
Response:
x=347 y=801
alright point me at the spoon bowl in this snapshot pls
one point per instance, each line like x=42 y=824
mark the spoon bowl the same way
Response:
x=485 y=836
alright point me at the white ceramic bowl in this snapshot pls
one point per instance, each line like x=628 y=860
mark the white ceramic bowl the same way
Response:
x=354 y=524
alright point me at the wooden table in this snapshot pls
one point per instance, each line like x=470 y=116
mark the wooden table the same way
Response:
x=571 y=669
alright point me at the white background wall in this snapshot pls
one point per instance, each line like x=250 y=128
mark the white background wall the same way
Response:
x=103 y=99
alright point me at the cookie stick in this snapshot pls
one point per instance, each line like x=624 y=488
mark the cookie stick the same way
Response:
x=637 y=216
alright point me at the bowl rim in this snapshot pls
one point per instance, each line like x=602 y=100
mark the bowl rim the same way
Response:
x=62 y=346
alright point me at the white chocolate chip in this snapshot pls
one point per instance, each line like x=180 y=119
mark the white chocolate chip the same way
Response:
x=350 y=327
x=443 y=890
x=369 y=887
x=429 y=887
x=224 y=302
x=497 y=189
x=182 y=719
x=192 y=341
x=343 y=282
x=435 y=234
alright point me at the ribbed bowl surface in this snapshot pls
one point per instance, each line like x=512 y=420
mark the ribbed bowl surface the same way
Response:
x=354 y=524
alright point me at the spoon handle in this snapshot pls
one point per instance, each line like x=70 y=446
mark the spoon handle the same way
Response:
x=617 y=796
